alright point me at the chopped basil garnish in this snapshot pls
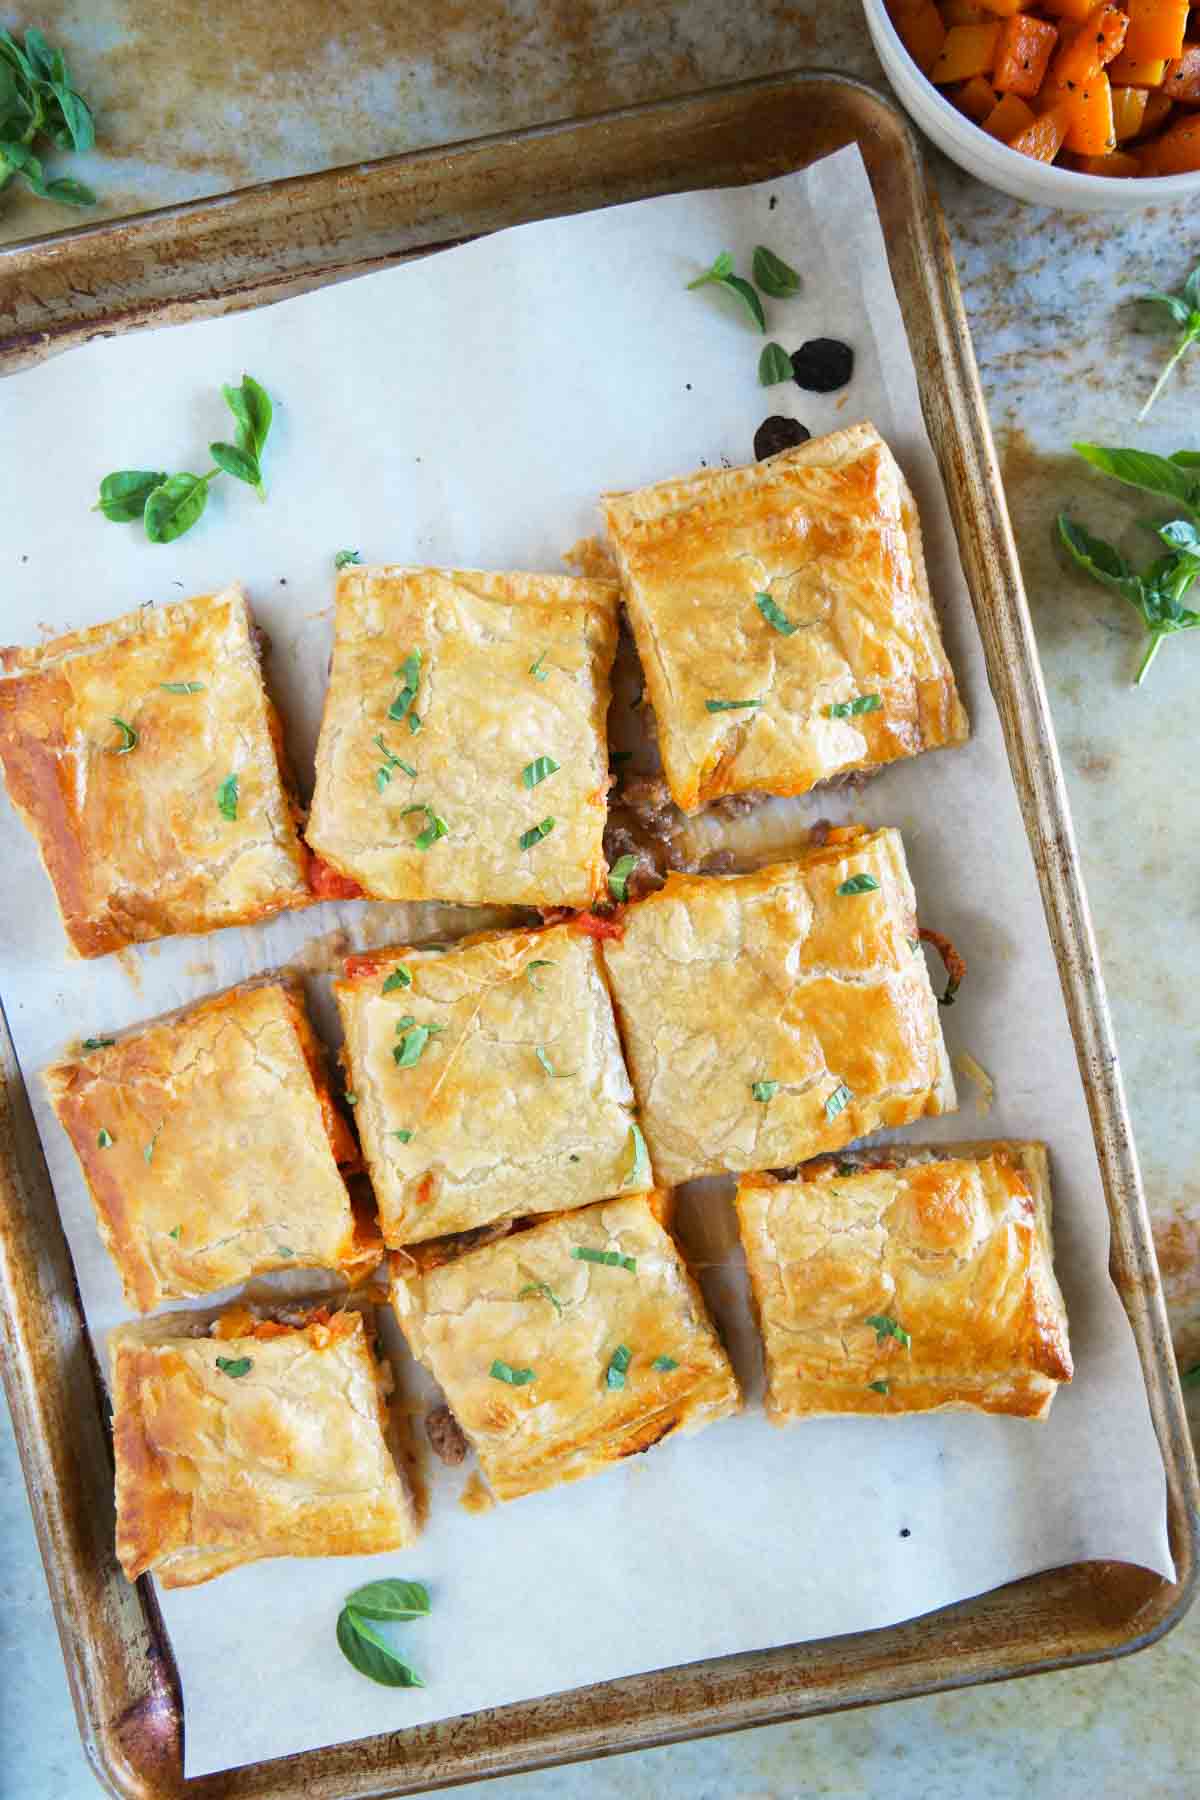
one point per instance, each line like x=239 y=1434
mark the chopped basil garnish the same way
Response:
x=343 y=558
x=618 y=875
x=774 y=366
x=764 y=1090
x=535 y=834
x=400 y=977
x=640 y=1166
x=664 y=1364
x=536 y=669
x=716 y=706
x=859 y=884
x=614 y=1375
x=411 y=1047
x=350 y=1098
x=541 y=1290
x=284 y=1250
x=390 y=761
x=365 y=1650
x=234 y=1365
x=98 y=1043
x=773 y=615
x=773 y=275
x=176 y=1232
x=884 y=1327
x=104 y=1138
x=847 y=1168
x=850 y=709
x=544 y=1060
x=129 y=737
x=538 y=770
x=612 y=1259
x=434 y=828
x=402 y=706
x=404 y=1136
x=148 y=1152
x=182 y=687
x=878 y=1387
x=539 y=962
x=502 y=1371
x=227 y=797
x=838 y=1101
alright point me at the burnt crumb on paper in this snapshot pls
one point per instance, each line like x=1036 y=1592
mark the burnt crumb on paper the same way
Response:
x=773 y=202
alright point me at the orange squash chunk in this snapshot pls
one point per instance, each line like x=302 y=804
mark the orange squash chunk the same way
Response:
x=1130 y=71
x=1076 y=10
x=1181 y=81
x=1044 y=138
x=976 y=98
x=1176 y=152
x=1093 y=44
x=1089 y=111
x=968 y=50
x=1009 y=116
x=1118 y=162
x=1023 y=55
x=1156 y=27
x=961 y=12
x=1129 y=109
x=1004 y=9
x=921 y=32
x=1158 y=111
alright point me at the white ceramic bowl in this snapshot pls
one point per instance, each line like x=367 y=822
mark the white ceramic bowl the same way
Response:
x=972 y=149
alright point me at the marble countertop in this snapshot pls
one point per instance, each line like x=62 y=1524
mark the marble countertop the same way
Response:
x=197 y=101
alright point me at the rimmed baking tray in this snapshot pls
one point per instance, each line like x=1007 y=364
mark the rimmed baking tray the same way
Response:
x=264 y=244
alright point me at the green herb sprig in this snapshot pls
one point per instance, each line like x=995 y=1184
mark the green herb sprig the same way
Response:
x=720 y=274
x=169 y=505
x=364 y=1648
x=37 y=100
x=1181 y=309
x=1157 y=593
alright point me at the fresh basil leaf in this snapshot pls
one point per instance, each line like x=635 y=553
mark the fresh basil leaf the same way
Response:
x=859 y=884
x=541 y=1290
x=720 y=269
x=772 y=614
x=618 y=875
x=123 y=494
x=1190 y=1377
x=885 y=1327
x=535 y=834
x=664 y=1364
x=1100 y=560
x=181 y=687
x=371 y=1655
x=720 y=706
x=611 y=1259
x=774 y=366
x=1178 y=310
x=773 y=275
x=838 y=1101
x=41 y=57
x=1186 y=459
x=67 y=192
x=721 y=274
x=174 y=506
x=1191 y=289
x=639 y=1168
x=129 y=737
x=98 y=1043
x=879 y=1387
x=390 y=1599
x=538 y=770
x=764 y=1090
x=1140 y=469
x=502 y=1371
x=544 y=1060
x=234 y=1366
x=618 y=1365
x=400 y=977
x=850 y=709
x=539 y=962
x=250 y=405
x=409 y=1051
x=344 y=558
x=104 y=1138
x=536 y=669
x=236 y=462
x=77 y=117
x=227 y=798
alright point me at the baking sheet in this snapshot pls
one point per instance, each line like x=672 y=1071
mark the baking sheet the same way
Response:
x=467 y=409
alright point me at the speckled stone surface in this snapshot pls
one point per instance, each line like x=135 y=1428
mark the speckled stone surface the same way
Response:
x=195 y=101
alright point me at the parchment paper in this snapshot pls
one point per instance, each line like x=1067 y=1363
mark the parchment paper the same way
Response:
x=467 y=410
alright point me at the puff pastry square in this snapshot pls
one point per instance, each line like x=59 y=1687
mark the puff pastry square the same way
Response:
x=148 y=837
x=602 y=1359
x=769 y=1016
x=513 y=677
x=518 y=1100
x=798 y=583
x=905 y=1280
x=253 y=1438
x=212 y=1148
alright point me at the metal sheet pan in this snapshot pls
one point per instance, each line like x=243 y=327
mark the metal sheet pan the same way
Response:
x=264 y=244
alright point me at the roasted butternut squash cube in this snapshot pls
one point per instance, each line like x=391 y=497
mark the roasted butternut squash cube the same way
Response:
x=1158 y=111
x=1093 y=44
x=921 y=31
x=1090 y=118
x=1010 y=115
x=1133 y=71
x=1023 y=57
x=1181 y=79
x=1044 y=138
x=968 y=50
x=1156 y=27
x=1129 y=109
x=1176 y=152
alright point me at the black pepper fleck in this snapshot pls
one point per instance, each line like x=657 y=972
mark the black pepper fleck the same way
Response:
x=822 y=365
x=776 y=434
x=773 y=202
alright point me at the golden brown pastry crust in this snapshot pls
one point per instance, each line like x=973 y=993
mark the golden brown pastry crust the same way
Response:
x=724 y=981
x=288 y=1459
x=953 y=1244
x=491 y=1305
x=830 y=532
x=484 y=717
x=221 y=1163
x=494 y=1133
x=135 y=844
